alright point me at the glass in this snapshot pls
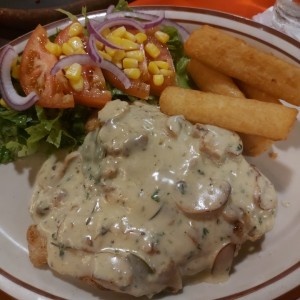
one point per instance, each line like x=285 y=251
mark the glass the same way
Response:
x=286 y=14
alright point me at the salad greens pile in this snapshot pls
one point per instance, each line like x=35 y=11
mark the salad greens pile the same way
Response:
x=43 y=129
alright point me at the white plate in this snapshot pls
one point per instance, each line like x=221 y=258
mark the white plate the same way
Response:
x=270 y=270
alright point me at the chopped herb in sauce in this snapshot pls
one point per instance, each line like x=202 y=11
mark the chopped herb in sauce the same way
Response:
x=155 y=196
x=181 y=186
x=205 y=232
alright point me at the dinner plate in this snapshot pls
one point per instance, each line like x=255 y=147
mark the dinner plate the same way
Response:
x=263 y=270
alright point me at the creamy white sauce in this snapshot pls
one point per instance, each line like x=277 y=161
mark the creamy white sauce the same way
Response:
x=149 y=199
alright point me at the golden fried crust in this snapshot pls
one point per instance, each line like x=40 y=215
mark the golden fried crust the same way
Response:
x=37 y=246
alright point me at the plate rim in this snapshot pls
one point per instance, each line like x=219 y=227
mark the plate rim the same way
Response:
x=232 y=17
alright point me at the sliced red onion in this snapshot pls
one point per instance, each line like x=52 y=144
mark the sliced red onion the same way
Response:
x=153 y=20
x=9 y=94
x=104 y=64
x=82 y=59
x=95 y=27
x=110 y=9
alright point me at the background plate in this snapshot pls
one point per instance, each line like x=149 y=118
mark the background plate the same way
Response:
x=264 y=270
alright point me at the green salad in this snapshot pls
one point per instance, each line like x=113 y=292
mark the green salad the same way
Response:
x=62 y=103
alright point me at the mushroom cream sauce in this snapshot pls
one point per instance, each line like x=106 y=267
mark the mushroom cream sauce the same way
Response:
x=149 y=199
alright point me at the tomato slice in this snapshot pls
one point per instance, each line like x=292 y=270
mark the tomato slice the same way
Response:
x=139 y=88
x=163 y=56
x=35 y=67
x=94 y=93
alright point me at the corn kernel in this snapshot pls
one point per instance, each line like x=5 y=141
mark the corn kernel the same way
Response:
x=105 y=55
x=15 y=69
x=119 y=55
x=99 y=45
x=67 y=49
x=3 y=103
x=77 y=85
x=110 y=51
x=153 y=68
x=76 y=43
x=165 y=72
x=133 y=73
x=75 y=29
x=105 y=32
x=162 y=36
x=152 y=50
x=119 y=32
x=124 y=43
x=137 y=54
x=130 y=63
x=73 y=72
x=53 y=48
x=162 y=64
x=129 y=36
x=158 y=79
x=141 y=37
x=119 y=64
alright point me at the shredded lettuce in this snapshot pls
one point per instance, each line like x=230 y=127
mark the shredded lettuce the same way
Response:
x=175 y=46
x=39 y=129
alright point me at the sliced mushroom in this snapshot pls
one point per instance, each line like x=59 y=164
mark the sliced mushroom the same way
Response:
x=216 y=142
x=210 y=198
x=138 y=142
x=174 y=125
x=223 y=261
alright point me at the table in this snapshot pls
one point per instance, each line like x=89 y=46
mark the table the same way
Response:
x=245 y=8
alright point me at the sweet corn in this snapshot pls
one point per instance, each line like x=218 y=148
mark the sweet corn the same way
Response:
x=3 y=103
x=110 y=51
x=130 y=63
x=77 y=45
x=133 y=73
x=77 y=85
x=137 y=54
x=105 y=32
x=15 y=69
x=105 y=55
x=119 y=55
x=141 y=37
x=153 y=68
x=73 y=72
x=119 y=32
x=162 y=36
x=53 y=48
x=121 y=42
x=152 y=50
x=158 y=79
x=129 y=36
x=162 y=64
x=165 y=72
x=67 y=49
x=99 y=45
x=75 y=29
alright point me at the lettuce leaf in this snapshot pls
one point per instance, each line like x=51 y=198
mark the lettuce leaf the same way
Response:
x=39 y=129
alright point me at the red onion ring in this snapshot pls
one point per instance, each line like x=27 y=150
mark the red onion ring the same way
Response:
x=104 y=64
x=95 y=27
x=153 y=20
x=82 y=59
x=181 y=30
x=8 y=92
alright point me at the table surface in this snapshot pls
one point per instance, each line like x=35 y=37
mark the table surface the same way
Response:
x=245 y=8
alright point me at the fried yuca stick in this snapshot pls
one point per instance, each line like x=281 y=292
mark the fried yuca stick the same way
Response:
x=209 y=80
x=272 y=121
x=235 y=58
x=254 y=93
